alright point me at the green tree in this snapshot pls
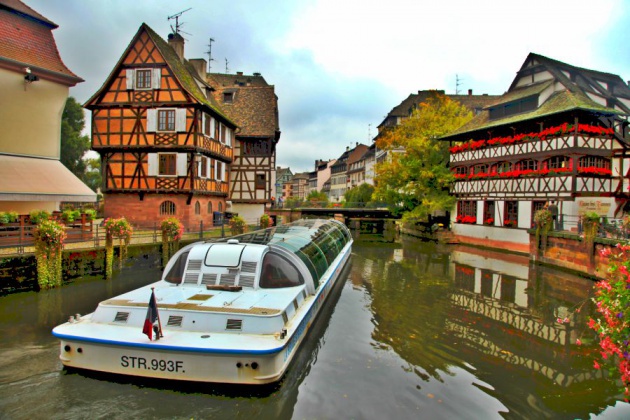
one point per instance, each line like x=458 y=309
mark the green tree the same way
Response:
x=359 y=196
x=316 y=199
x=416 y=182
x=74 y=145
x=93 y=174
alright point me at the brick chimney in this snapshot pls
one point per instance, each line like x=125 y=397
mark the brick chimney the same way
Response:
x=176 y=41
x=200 y=66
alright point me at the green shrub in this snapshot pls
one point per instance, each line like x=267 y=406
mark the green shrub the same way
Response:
x=38 y=216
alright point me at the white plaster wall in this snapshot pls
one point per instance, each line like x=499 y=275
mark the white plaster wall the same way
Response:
x=30 y=115
x=597 y=98
x=524 y=214
x=518 y=236
x=250 y=212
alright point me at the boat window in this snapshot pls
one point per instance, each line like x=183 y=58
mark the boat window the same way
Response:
x=224 y=255
x=279 y=272
x=176 y=272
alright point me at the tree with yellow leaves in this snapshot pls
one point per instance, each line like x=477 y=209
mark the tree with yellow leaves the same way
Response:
x=415 y=181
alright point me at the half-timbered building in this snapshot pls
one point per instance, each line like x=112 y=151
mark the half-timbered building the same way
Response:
x=164 y=142
x=252 y=104
x=558 y=134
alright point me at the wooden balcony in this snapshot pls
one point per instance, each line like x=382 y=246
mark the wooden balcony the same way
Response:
x=534 y=187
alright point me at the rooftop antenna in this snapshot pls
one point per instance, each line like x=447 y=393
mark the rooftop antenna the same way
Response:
x=226 y=66
x=209 y=52
x=369 y=132
x=458 y=82
x=176 y=17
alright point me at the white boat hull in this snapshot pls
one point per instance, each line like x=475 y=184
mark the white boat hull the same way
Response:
x=228 y=358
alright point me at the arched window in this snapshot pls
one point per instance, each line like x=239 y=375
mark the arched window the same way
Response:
x=594 y=162
x=220 y=207
x=502 y=167
x=527 y=164
x=558 y=162
x=197 y=208
x=209 y=207
x=167 y=208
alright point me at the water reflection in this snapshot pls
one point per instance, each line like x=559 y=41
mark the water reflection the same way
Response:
x=493 y=316
x=417 y=331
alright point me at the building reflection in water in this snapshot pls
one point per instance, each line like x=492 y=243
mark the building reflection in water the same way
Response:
x=494 y=314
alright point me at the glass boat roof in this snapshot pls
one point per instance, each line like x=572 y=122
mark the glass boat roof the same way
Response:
x=317 y=242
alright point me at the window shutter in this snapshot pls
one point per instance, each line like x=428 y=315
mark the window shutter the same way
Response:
x=156 y=78
x=212 y=122
x=180 y=119
x=130 y=76
x=151 y=120
x=182 y=161
x=152 y=164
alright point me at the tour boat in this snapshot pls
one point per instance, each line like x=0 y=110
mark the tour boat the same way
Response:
x=228 y=311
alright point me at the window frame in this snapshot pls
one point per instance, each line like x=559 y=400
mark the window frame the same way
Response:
x=146 y=78
x=170 y=156
x=170 y=114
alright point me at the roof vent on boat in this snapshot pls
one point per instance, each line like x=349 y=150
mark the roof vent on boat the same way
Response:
x=175 y=321
x=121 y=317
x=194 y=265
x=191 y=278
x=227 y=279
x=208 y=278
x=232 y=241
x=234 y=325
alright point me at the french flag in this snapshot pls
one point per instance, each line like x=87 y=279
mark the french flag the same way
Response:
x=152 y=316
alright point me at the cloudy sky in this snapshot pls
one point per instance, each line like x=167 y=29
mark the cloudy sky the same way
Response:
x=339 y=66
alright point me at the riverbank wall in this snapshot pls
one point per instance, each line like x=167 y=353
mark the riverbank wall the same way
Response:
x=564 y=250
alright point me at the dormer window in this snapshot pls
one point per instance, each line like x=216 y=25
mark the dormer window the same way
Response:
x=513 y=107
x=228 y=97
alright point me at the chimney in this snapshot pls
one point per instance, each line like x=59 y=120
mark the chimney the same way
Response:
x=200 y=65
x=469 y=92
x=176 y=41
x=347 y=148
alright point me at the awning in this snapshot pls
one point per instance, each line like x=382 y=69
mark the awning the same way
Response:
x=35 y=179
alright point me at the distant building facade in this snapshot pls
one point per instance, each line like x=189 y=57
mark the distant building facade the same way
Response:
x=559 y=133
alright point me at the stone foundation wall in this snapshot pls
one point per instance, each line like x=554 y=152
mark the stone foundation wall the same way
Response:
x=146 y=212
x=571 y=252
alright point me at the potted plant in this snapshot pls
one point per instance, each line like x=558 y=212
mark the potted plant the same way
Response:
x=238 y=225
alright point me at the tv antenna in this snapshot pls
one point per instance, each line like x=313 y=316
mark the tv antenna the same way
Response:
x=176 y=17
x=458 y=82
x=209 y=52
x=369 y=132
x=226 y=66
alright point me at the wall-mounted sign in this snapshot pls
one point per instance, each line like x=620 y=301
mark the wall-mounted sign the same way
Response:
x=589 y=205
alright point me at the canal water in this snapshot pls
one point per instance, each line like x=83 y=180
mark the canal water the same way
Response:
x=417 y=330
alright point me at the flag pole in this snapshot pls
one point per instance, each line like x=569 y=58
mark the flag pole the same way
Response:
x=158 y=315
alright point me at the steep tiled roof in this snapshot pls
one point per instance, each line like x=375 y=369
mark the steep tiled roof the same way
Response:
x=26 y=40
x=575 y=97
x=184 y=71
x=254 y=104
x=470 y=101
x=239 y=79
x=20 y=7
